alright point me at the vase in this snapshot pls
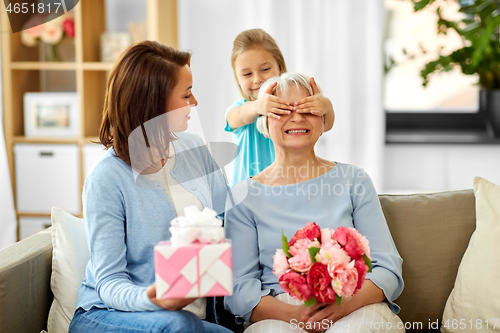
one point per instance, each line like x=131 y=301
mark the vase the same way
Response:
x=52 y=53
x=489 y=104
x=63 y=51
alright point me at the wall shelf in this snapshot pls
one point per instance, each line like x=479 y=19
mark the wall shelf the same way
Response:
x=22 y=72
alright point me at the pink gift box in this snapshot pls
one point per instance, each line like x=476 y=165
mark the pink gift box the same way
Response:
x=194 y=270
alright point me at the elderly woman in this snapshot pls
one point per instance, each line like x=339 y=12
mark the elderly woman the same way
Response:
x=301 y=187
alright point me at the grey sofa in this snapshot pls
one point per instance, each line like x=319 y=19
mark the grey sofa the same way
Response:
x=431 y=232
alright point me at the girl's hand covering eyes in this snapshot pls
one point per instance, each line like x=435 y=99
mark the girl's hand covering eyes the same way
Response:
x=317 y=104
x=270 y=105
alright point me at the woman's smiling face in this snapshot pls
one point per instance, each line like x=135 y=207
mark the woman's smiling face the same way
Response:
x=296 y=130
x=181 y=101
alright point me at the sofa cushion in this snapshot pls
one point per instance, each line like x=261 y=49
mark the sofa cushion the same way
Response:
x=69 y=260
x=24 y=284
x=474 y=301
x=431 y=232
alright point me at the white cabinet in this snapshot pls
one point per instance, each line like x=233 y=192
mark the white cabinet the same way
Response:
x=91 y=154
x=47 y=175
x=438 y=167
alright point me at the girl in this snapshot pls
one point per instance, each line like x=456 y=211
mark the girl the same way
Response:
x=255 y=58
x=145 y=179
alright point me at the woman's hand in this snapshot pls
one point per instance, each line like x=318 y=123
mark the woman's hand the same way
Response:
x=332 y=312
x=270 y=105
x=167 y=304
x=368 y=294
x=302 y=315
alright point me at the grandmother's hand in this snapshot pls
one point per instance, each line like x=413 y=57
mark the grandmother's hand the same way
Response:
x=301 y=315
x=167 y=304
x=270 y=105
x=329 y=311
x=317 y=104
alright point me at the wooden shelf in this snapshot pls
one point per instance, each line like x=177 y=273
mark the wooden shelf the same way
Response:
x=23 y=139
x=22 y=72
x=34 y=65
x=21 y=214
x=97 y=66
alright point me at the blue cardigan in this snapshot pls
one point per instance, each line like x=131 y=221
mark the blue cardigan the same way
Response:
x=126 y=215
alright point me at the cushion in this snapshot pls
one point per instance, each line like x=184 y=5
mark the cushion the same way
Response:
x=25 y=295
x=474 y=304
x=69 y=259
x=431 y=233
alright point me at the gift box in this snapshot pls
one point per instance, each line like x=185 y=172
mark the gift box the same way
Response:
x=194 y=270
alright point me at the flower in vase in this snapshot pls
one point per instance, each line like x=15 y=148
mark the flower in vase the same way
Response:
x=32 y=30
x=50 y=29
x=69 y=27
x=52 y=33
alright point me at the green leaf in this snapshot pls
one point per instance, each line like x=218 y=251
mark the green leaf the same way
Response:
x=421 y=4
x=286 y=247
x=310 y=302
x=313 y=251
x=339 y=299
x=368 y=262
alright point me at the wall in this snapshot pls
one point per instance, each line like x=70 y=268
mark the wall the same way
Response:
x=438 y=167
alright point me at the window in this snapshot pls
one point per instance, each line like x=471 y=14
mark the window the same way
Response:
x=447 y=109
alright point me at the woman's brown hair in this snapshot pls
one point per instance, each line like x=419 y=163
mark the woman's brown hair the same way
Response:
x=138 y=91
x=256 y=39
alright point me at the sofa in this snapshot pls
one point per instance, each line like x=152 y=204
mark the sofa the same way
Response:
x=431 y=232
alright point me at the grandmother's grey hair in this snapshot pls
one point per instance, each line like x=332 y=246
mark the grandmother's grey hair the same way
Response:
x=284 y=81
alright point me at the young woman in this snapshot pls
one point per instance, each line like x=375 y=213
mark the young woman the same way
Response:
x=146 y=178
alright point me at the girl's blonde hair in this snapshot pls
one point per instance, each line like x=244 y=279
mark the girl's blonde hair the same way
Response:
x=256 y=39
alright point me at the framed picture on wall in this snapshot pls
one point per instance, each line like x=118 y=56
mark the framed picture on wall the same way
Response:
x=51 y=114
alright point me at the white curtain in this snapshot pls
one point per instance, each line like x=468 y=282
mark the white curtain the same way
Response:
x=8 y=223
x=339 y=42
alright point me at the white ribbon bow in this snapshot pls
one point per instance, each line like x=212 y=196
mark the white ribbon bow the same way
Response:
x=202 y=226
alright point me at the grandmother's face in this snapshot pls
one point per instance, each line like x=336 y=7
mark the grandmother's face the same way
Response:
x=295 y=130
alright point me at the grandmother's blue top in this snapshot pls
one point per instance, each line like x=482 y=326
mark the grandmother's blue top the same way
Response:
x=343 y=196
x=126 y=215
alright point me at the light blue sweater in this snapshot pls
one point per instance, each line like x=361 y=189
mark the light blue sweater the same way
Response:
x=126 y=215
x=343 y=196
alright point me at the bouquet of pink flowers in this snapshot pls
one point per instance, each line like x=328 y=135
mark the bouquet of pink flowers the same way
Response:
x=322 y=264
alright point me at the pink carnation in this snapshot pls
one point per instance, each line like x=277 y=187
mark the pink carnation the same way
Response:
x=327 y=235
x=362 y=269
x=352 y=242
x=301 y=260
x=319 y=279
x=344 y=278
x=69 y=27
x=296 y=286
x=331 y=251
x=310 y=231
x=326 y=295
x=280 y=263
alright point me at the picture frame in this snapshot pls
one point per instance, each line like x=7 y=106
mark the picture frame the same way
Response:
x=113 y=44
x=51 y=114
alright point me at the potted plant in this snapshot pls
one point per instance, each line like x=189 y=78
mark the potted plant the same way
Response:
x=479 y=27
